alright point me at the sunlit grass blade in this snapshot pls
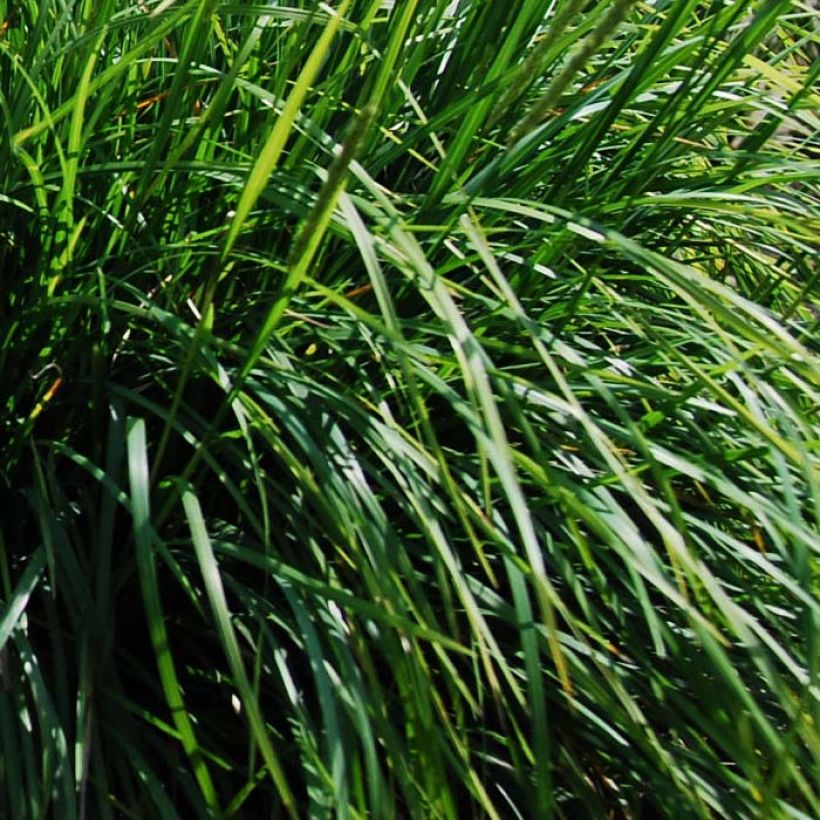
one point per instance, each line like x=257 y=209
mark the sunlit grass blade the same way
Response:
x=213 y=586
x=143 y=539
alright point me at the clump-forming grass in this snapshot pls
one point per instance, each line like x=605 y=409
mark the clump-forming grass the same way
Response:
x=409 y=409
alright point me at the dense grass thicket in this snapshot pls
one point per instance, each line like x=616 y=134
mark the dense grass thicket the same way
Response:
x=409 y=409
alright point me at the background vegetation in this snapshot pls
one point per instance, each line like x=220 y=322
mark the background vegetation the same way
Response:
x=409 y=409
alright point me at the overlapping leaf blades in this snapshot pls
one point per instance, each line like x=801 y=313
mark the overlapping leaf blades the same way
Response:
x=494 y=494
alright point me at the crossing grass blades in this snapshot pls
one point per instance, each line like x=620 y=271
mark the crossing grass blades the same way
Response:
x=409 y=409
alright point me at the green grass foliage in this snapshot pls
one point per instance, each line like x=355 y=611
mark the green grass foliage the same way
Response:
x=409 y=409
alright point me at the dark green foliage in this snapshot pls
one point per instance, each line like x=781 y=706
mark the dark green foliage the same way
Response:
x=409 y=409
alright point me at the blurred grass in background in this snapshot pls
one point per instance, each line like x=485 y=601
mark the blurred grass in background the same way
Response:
x=409 y=409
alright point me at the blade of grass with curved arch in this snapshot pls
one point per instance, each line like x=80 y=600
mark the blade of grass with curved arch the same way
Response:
x=137 y=454
x=219 y=607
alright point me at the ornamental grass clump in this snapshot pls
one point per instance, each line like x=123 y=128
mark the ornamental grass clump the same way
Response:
x=410 y=409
